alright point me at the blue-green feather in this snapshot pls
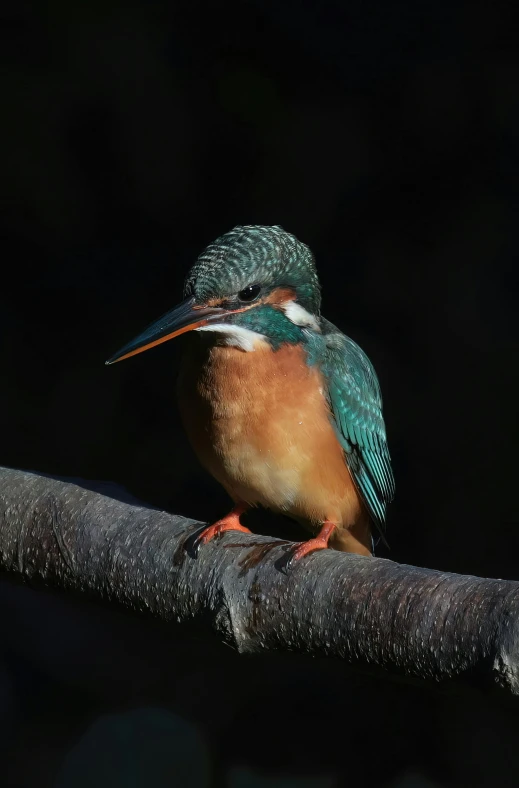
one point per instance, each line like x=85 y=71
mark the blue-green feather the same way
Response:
x=356 y=404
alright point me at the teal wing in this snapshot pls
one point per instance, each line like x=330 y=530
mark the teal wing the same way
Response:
x=356 y=404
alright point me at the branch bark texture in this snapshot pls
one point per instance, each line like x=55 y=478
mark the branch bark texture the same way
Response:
x=369 y=612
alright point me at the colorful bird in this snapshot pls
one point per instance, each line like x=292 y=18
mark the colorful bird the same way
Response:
x=281 y=408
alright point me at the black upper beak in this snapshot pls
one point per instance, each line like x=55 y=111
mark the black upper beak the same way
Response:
x=185 y=317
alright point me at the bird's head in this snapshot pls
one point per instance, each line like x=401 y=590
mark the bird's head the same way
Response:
x=253 y=283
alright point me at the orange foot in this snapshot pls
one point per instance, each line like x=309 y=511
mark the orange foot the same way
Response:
x=320 y=542
x=229 y=523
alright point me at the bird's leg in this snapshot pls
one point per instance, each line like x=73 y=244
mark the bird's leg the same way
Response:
x=319 y=542
x=230 y=522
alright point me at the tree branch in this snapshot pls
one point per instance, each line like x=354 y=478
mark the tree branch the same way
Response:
x=369 y=612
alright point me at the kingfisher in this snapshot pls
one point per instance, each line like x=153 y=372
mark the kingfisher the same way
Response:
x=282 y=408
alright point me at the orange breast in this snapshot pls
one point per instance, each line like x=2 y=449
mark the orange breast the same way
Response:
x=260 y=424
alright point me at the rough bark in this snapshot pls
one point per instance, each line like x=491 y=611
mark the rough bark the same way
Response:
x=372 y=613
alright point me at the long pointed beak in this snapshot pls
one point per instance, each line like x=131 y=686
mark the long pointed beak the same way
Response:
x=185 y=317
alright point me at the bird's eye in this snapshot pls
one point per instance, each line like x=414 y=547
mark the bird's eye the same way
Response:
x=249 y=293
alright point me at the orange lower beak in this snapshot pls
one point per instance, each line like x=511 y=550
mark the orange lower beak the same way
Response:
x=185 y=317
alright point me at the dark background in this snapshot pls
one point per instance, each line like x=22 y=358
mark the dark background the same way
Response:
x=384 y=135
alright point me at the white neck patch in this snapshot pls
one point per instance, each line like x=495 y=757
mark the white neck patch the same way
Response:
x=236 y=336
x=298 y=315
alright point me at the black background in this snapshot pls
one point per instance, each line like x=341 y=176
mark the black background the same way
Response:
x=384 y=135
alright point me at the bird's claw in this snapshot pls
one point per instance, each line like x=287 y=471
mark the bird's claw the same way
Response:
x=319 y=542
x=304 y=548
x=217 y=530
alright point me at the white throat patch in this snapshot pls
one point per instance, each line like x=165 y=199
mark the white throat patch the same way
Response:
x=236 y=336
x=298 y=315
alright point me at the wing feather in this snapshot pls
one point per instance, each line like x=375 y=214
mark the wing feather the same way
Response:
x=356 y=405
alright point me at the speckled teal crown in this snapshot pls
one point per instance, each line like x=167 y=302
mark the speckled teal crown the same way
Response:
x=252 y=254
